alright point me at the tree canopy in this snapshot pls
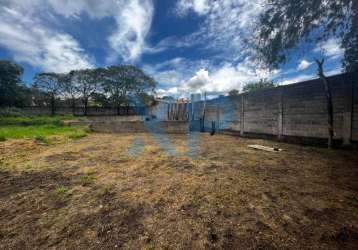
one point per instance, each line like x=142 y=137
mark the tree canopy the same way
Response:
x=11 y=89
x=286 y=23
x=261 y=84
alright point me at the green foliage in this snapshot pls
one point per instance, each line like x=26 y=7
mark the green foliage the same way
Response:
x=124 y=81
x=49 y=83
x=38 y=127
x=32 y=121
x=11 y=131
x=284 y=24
x=2 y=138
x=12 y=92
x=262 y=84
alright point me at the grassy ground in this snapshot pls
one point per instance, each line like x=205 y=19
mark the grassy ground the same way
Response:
x=94 y=193
x=38 y=127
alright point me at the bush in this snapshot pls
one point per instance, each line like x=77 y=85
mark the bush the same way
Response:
x=2 y=138
x=12 y=111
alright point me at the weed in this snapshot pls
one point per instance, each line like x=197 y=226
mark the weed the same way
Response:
x=62 y=190
x=41 y=139
x=105 y=190
x=2 y=138
x=88 y=178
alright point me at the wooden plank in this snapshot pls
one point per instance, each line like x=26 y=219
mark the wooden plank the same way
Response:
x=265 y=148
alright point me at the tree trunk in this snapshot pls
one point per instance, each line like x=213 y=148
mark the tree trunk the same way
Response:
x=118 y=109
x=86 y=104
x=73 y=106
x=328 y=93
x=52 y=105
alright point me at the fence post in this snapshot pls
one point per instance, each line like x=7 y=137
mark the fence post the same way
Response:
x=347 y=113
x=280 y=114
x=242 y=115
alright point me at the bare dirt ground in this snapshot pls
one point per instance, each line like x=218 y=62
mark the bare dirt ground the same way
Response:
x=91 y=194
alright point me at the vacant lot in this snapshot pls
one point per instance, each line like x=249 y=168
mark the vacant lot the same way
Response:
x=98 y=192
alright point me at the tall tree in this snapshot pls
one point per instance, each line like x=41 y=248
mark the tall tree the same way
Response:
x=11 y=91
x=86 y=82
x=125 y=81
x=285 y=24
x=68 y=84
x=49 y=83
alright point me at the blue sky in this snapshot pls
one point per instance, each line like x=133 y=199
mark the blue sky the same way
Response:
x=186 y=45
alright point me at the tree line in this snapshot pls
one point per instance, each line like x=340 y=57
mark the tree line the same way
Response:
x=114 y=86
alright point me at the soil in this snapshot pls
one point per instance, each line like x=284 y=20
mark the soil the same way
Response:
x=91 y=193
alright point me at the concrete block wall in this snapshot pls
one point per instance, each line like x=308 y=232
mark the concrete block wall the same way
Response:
x=296 y=110
x=91 y=111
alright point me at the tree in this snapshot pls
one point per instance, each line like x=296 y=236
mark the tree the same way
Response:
x=261 y=84
x=86 y=82
x=284 y=24
x=69 y=88
x=233 y=92
x=49 y=83
x=125 y=81
x=12 y=93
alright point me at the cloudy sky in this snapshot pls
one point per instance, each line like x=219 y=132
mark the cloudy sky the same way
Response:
x=186 y=45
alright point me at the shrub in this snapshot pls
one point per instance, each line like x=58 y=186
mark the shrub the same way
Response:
x=2 y=138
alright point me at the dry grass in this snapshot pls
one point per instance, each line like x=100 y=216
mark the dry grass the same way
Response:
x=91 y=194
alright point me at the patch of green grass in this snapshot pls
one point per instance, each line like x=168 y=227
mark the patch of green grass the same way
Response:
x=62 y=190
x=32 y=121
x=13 y=131
x=78 y=134
x=38 y=131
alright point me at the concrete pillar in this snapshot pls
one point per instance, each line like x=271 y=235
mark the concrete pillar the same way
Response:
x=347 y=114
x=280 y=114
x=242 y=115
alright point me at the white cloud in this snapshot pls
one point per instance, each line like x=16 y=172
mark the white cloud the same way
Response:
x=226 y=23
x=304 y=64
x=199 y=6
x=295 y=79
x=31 y=42
x=201 y=79
x=180 y=77
x=128 y=40
x=330 y=48
x=134 y=21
